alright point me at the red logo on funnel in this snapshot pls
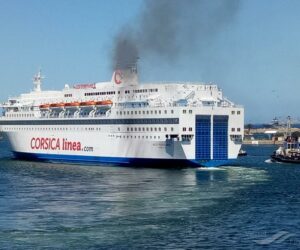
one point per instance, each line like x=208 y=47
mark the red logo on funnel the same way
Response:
x=118 y=76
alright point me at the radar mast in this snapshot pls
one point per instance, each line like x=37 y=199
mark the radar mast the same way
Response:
x=37 y=81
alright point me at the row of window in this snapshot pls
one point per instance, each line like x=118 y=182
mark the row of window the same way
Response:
x=135 y=129
x=87 y=129
x=185 y=111
x=144 y=112
x=50 y=129
x=151 y=129
x=49 y=122
x=237 y=112
x=185 y=129
x=101 y=93
x=236 y=138
x=238 y=129
x=144 y=90
x=114 y=92
x=19 y=115
x=68 y=95
x=135 y=136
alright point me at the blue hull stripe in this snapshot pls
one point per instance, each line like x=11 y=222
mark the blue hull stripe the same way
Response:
x=120 y=160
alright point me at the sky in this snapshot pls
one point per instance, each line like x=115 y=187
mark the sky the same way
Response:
x=254 y=58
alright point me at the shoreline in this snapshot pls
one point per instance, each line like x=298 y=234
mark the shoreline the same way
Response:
x=261 y=142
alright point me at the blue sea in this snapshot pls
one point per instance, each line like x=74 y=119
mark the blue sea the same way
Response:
x=251 y=205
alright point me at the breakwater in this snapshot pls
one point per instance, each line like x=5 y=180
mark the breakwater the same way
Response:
x=268 y=136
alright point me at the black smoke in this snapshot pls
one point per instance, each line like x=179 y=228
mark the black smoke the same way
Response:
x=167 y=28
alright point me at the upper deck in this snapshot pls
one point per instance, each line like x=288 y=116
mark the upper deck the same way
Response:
x=122 y=92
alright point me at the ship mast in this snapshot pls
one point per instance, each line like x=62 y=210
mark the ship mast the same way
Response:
x=37 y=81
x=288 y=126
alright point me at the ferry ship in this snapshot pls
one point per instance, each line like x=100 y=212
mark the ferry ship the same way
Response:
x=124 y=122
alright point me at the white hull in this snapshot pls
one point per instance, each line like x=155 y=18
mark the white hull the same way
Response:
x=99 y=146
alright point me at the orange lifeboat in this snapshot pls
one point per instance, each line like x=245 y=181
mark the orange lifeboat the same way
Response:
x=44 y=106
x=72 y=104
x=106 y=102
x=88 y=103
x=57 y=105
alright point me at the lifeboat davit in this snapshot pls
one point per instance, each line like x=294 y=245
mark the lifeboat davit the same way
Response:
x=88 y=103
x=72 y=104
x=44 y=106
x=57 y=105
x=104 y=103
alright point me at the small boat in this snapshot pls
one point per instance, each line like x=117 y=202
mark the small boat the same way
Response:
x=57 y=105
x=72 y=104
x=87 y=103
x=104 y=103
x=242 y=152
x=289 y=152
x=293 y=157
x=44 y=106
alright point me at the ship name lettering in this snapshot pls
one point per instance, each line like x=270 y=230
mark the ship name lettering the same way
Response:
x=45 y=143
x=73 y=146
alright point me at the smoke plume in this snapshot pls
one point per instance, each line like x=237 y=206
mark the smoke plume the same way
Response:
x=167 y=28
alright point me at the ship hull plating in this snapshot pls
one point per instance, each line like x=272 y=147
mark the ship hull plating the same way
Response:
x=94 y=147
x=118 y=161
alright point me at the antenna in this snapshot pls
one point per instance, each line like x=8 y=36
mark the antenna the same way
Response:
x=37 y=81
x=288 y=126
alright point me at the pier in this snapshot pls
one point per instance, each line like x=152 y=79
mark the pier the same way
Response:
x=267 y=136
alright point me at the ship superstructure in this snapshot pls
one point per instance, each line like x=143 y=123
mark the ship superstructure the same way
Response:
x=122 y=121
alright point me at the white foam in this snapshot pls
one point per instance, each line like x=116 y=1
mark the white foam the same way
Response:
x=268 y=161
x=211 y=169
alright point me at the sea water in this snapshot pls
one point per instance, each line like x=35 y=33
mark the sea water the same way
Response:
x=251 y=205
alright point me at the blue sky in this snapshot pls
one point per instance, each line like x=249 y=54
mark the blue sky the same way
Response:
x=255 y=59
